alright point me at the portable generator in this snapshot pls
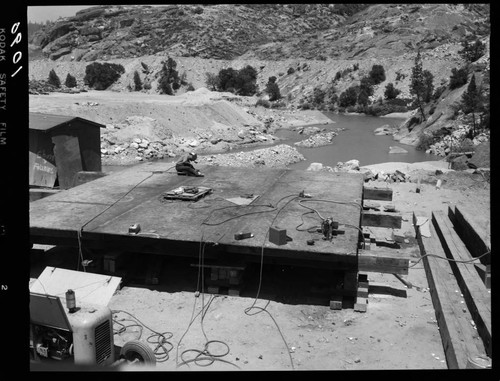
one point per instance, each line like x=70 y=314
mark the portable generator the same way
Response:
x=82 y=333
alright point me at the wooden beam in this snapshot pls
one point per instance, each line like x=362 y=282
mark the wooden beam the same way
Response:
x=476 y=238
x=475 y=293
x=373 y=193
x=382 y=262
x=459 y=338
x=381 y=219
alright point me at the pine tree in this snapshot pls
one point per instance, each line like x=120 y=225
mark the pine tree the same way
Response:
x=70 y=81
x=137 y=81
x=272 y=89
x=417 y=83
x=54 y=79
x=472 y=102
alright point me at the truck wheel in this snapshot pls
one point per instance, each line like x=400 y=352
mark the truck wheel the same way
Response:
x=138 y=350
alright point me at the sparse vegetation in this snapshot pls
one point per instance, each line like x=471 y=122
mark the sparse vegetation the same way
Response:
x=101 y=76
x=70 y=81
x=137 y=81
x=458 y=78
x=421 y=85
x=348 y=97
x=377 y=74
x=241 y=82
x=272 y=89
x=391 y=92
x=472 y=52
x=169 y=77
x=54 y=79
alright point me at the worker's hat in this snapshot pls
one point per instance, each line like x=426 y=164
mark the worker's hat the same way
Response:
x=194 y=155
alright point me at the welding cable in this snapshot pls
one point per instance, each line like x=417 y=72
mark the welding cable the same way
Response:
x=466 y=261
x=264 y=309
x=273 y=208
x=163 y=346
x=332 y=201
x=205 y=354
x=302 y=223
x=79 y=232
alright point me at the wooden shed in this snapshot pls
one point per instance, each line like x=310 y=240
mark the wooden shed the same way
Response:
x=60 y=147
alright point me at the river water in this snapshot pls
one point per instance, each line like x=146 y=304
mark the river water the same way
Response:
x=357 y=142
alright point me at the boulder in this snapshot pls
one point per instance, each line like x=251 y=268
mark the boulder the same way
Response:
x=397 y=150
x=384 y=130
x=315 y=167
x=351 y=165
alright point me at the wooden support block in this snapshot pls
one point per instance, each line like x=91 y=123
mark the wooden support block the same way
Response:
x=373 y=193
x=111 y=261
x=381 y=219
x=222 y=274
x=362 y=277
x=233 y=292
x=236 y=279
x=367 y=243
x=361 y=305
x=213 y=289
x=214 y=275
x=363 y=284
x=336 y=302
x=362 y=292
x=154 y=270
x=474 y=290
x=234 y=273
x=386 y=261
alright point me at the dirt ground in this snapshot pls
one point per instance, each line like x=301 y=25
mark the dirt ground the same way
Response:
x=289 y=325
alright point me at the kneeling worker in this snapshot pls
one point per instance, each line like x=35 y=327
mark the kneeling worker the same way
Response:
x=184 y=165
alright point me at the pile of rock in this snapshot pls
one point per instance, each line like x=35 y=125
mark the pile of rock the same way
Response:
x=457 y=139
x=318 y=140
x=273 y=157
x=37 y=87
x=385 y=130
x=140 y=148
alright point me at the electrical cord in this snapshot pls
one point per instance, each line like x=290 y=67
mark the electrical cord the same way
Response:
x=163 y=346
x=79 y=232
x=264 y=309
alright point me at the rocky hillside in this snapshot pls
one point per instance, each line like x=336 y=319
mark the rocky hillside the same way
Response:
x=315 y=40
x=264 y=32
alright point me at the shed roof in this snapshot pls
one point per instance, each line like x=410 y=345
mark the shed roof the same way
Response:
x=46 y=122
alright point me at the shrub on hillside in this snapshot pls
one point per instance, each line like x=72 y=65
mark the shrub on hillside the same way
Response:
x=263 y=102
x=291 y=70
x=348 y=97
x=70 y=81
x=378 y=109
x=472 y=52
x=391 y=92
x=278 y=104
x=458 y=78
x=377 y=74
x=101 y=76
x=438 y=92
x=54 y=79
x=169 y=77
x=242 y=82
